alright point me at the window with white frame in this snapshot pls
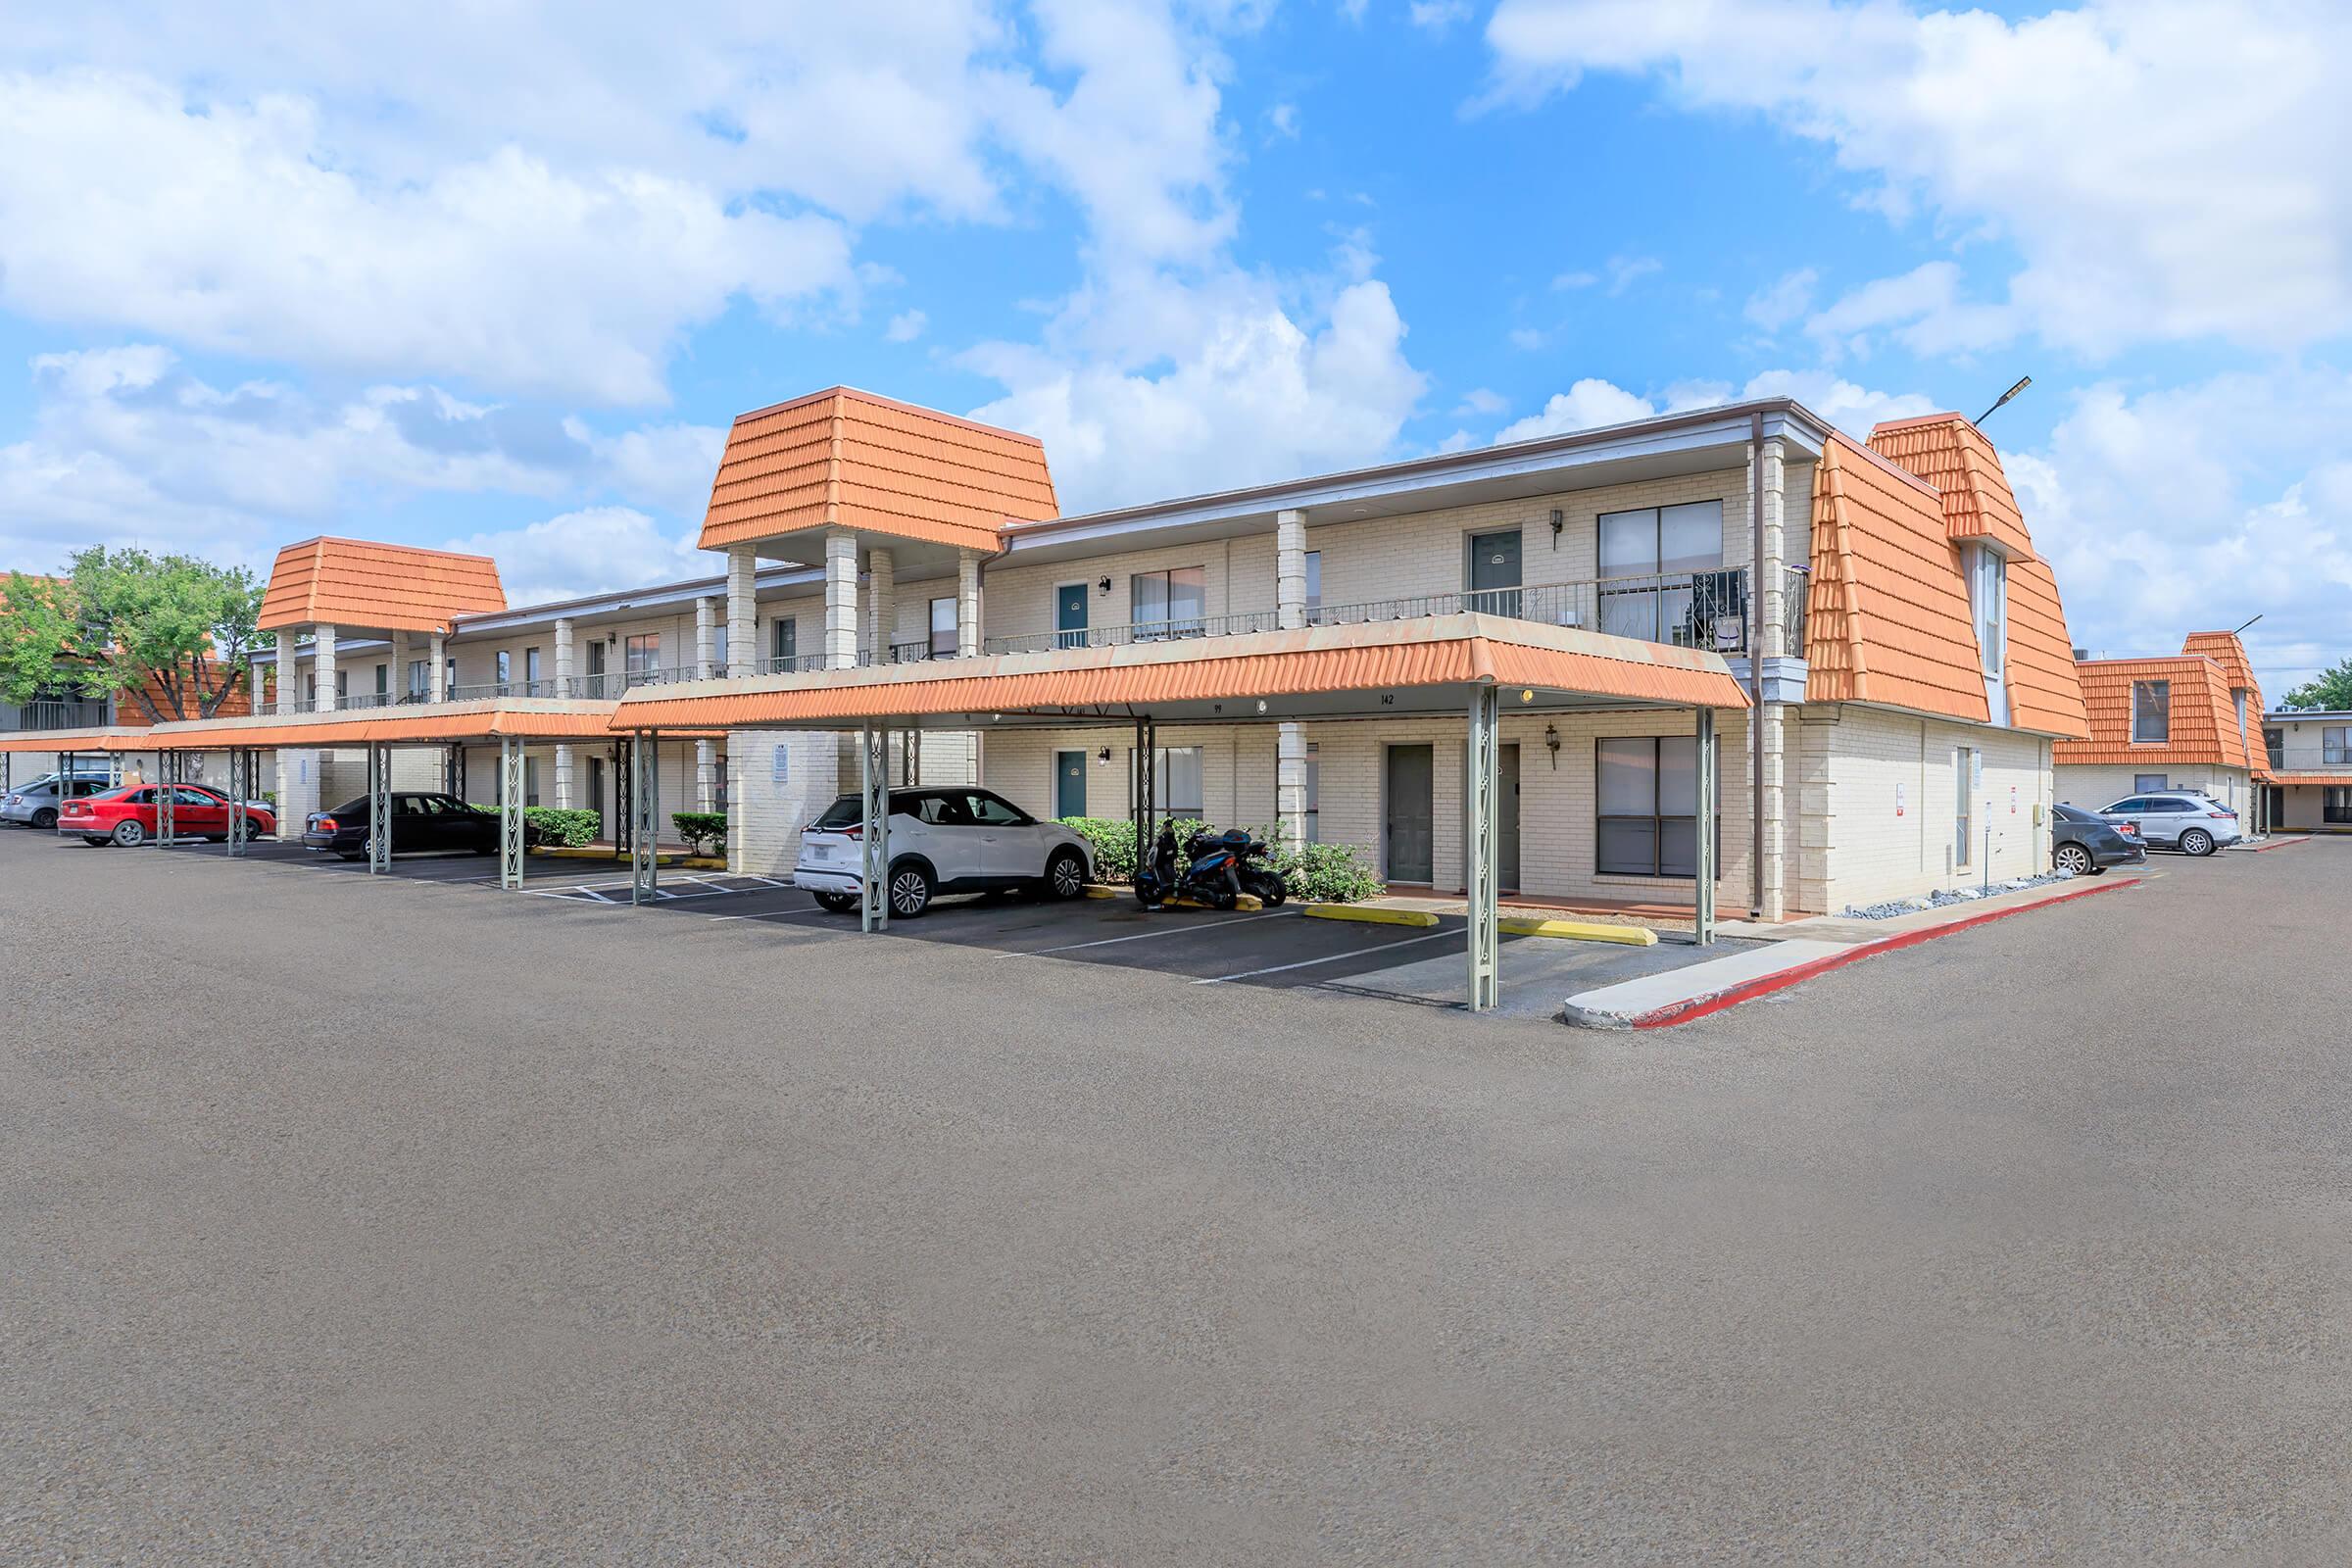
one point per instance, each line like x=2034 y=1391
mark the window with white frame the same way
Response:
x=943 y=627
x=1169 y=603
x=1315 y=579
x=718 y=650
x=1657 y=564
x=2149 y=783
x=1647 y=825
x=530 y=781
x=383 y=680
x=420 y=677
x=530 y=667
x=784 y=641
x=2152 y=712
x=1176 y=784
x=1986 y=571
x=506 y=669
x=641 y=655
x=2335 y=745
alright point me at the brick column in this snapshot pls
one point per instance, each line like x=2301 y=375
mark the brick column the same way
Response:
x=1290 y=784
x=706 y=776
x=1770 y=642
x=324 y=661
x=289 y=677
x=743 y=608
x=1290 y=569
x=967 y=604
x=706 y=636
x=566 y=662
x=286 y=763
x=440 y=677
x=882 y=604
x=841 y=599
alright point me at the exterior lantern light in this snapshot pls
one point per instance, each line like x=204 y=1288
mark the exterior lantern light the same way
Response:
x=1551 y=744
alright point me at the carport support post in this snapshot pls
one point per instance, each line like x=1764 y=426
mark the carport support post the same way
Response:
x=236 y=803
x=644 y=802
x=379 y=809
x=874 y=784
x=166 y=799
x=1485 y=764
x=510 y=812
x=1702 y=921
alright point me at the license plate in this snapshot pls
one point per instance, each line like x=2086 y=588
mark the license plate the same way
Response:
x=821 y=851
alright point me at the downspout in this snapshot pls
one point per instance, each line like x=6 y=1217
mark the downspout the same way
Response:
x=1755 y=659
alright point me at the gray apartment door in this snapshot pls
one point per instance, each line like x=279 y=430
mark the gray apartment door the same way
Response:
x=1494 y=573
x=1410 y=773
x=1506 y=816
x=596 y=792
x=1069 y=615
x=1069 y=784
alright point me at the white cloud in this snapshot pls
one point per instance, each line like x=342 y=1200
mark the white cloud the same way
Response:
x=1437 y=16
x=1483 y=401
x=2166 y=169
x=595 y=550
x=1527 y=339
x=1627 y=270
x=1588 y=403
x=126 y=446
x=233 y=229
x=1283 y=119
x=1922 y=309
x=1594 y=402
x=2194 y=508
x=1785 y=301
x=906 y=326
x=1578 y=279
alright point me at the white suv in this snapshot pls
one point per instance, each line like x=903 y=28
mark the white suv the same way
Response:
x=2180 y=820
x=942 y=840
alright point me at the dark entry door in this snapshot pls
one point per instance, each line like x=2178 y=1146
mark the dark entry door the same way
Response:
x=1410 y=772
x=596 y=792
x=1495 y=574
x=1069 y=784
x=1069 y=615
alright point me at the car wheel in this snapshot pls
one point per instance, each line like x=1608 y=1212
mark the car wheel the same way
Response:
x=2197 y=842
x=130 y=834
x=44 y=819
x=1066 y=874
x=2073 y=858
x=251 y=831
x=838 y=903
x=909 y=889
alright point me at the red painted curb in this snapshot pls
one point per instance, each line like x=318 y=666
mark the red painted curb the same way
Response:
x=1700 y=1007
x=2264 y=849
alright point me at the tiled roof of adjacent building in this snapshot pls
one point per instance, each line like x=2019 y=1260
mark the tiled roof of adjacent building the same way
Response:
x=2202 y=726
x=1951 y=454
x=2237 y=670
x=847 y=459
x=376 y=587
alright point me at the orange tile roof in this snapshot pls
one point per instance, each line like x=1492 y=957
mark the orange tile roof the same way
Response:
x=2342 y=780
x=2045 y=693
x=378 y=587
x=1886 y=614
x=1457 y=651
x=847 y=459
x=2237 y=672
x=422 y=724
x=2203 y=727
x=1951 y=454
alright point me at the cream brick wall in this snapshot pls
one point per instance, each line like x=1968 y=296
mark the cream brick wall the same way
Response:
x=1891 y=795
x=765 y=840
x=2093 y=788
x=1237 y=578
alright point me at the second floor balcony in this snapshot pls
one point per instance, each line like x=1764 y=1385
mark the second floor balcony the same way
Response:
x=58 y=712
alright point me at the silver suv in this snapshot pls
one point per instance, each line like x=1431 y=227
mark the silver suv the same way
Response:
x=2178 y=820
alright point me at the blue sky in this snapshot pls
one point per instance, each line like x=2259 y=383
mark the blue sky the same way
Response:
x=408 y=273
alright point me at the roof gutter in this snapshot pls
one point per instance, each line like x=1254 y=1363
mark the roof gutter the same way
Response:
x=1755 y=658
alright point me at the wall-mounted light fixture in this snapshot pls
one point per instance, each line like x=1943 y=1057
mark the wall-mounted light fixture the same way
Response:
x=1559 y=521
x=1551 y=744
x=1102 y=756
x=1104 y=585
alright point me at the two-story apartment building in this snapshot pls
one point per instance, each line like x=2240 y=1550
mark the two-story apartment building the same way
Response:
x=2307 y=787
x=2186 y=721
x=1903 y=649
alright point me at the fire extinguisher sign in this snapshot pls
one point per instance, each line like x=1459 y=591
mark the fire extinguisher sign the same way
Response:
x=1898 y=800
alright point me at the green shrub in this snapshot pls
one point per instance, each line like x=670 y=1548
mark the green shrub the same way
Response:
x=548 y=825
x=705 y=832
x=1111 y=843
x=1328 y=873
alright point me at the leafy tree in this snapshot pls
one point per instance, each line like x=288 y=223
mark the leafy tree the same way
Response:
x=2331 y=691
x=171 y=632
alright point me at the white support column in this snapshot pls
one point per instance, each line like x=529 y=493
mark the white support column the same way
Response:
x=1290 y=569
x=565 y=658
x=439 y=673
x=706 y=636
x=1771 y=641
x=882 y=604
x=743 y=607
x=396 y=678
x=322 y=661
x=1290 y=784
x=967 y=604
x=841 y=599
x=289 y=677
x=1484 y=878
x=706 y=776
x=1703 y=879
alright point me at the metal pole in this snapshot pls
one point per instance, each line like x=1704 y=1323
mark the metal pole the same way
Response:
x=1703 y=869
x=166 y=800
x=510 y=812
x=236 y=803
x=1486 y=932
x=882 y=823
x=869 y=837
x=645 y=804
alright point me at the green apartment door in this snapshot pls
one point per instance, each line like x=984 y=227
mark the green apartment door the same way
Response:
x=1069 y=784
x=1069 y=616
x=1408 y=810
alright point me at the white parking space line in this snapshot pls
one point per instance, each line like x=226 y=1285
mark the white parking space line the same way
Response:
x=1170 y=930
x=1331 y=958
x=772 y=914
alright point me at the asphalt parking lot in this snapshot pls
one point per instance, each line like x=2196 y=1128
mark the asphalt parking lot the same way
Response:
x=408 y=1221
x=1422 y=966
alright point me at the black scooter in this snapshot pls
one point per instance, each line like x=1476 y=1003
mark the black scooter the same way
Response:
x=1213 y=868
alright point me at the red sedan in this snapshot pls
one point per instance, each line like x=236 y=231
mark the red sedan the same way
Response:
x=127 y=816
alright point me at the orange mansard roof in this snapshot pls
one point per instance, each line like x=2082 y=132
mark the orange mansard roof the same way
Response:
x=352 y=583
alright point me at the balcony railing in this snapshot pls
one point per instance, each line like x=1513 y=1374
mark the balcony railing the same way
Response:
x=2336 y=756
x=1148 y=631
x=63 y=712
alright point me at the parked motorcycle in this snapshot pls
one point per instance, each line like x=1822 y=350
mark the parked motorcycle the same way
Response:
x=1211 y=869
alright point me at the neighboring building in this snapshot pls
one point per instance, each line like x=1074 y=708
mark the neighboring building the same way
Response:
x=2186 y=721
x=2309 y=758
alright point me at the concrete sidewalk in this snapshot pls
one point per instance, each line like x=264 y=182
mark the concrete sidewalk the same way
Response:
x=1798 y=951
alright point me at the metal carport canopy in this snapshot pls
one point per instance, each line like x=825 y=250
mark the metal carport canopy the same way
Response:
x=1479 y=664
